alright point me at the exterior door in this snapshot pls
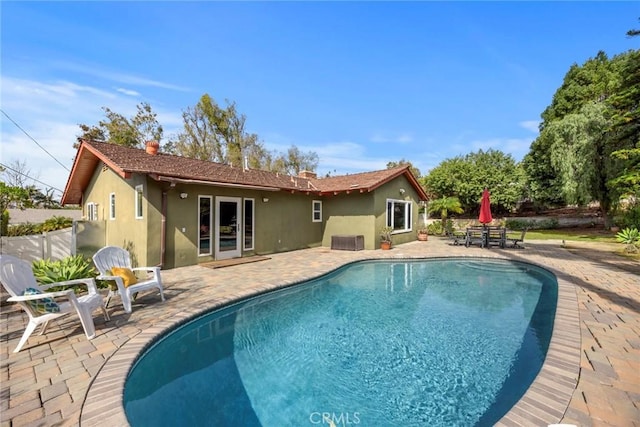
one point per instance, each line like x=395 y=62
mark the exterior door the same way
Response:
x=228 y=233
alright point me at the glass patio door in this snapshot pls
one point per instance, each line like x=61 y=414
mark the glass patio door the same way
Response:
x=228 y=232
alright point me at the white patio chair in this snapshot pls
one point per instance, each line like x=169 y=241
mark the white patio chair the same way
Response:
x=112 y=256
x=17 y=278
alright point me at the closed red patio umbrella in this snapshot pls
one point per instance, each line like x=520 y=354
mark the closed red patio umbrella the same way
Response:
x=485 y=208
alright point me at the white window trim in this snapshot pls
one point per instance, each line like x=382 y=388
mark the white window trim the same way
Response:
x=137 y=202
x=253 y=224
x=407 y=215
x=210 y=225
x=313 y=210
x=112 y=206
x=92 y=211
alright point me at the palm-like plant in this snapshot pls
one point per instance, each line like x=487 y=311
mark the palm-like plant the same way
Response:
x=444 y=205
x=631 y=238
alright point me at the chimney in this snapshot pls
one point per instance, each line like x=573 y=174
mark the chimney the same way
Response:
x=152 y=147
x=308 y=174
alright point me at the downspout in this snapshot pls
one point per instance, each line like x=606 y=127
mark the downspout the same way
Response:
x=163 y=228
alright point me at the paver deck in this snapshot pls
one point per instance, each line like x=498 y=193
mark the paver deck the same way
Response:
x=591 y=376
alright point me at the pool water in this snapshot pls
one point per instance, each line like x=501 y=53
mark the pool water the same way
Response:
x=376 y=343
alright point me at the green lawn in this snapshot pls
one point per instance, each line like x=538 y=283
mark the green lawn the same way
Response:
x=582 y=234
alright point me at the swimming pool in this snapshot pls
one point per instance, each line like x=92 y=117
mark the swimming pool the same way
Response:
x=453 y=342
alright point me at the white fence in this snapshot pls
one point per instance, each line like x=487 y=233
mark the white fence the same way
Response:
x=55 y=245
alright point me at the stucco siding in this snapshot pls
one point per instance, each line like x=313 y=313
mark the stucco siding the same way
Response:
x=391 y=191
x=125 y=230
x=282 y=223
x=350 y=214
x=152 y=208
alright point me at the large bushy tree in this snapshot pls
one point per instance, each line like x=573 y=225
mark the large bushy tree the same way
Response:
x=581 y=155
x=625 y=128
x=218 y=134
x=586 y=150
x=129 y=132
x=466 y=176
x=594 y=81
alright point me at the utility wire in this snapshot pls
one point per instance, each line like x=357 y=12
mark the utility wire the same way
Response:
x=33 y=179
x=43 y=149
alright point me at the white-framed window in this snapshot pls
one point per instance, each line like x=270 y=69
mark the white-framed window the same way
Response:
x=399 y=215
x=317 y=210
x=112 y=205
x=249 y=224
x=204 y=219
x=139 y=197
x=92 y=211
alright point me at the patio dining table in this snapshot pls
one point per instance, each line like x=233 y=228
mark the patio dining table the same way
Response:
x=486 y=236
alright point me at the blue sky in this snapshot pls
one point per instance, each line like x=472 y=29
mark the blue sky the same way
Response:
x=359 y=83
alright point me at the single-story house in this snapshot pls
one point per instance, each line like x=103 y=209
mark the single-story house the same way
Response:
x=175 y=211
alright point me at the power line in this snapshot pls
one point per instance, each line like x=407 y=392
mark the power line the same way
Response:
x=33 y=179
x=30 y=137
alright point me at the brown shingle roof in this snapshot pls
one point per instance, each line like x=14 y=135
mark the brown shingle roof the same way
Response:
x=126 y=161
x=362 y=182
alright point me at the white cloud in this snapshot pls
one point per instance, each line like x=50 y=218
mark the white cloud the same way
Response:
x=50 y=113
x=517 y=147
x=128 y=92
x=336 y=158
x=100 y=72
x=400 y=138
x=530 y=125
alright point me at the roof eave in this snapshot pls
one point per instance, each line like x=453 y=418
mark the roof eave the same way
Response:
x=79 y=177
x=174 y=180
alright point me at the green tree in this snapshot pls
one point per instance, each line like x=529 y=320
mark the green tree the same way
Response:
x=45 y=200
x=599 y=80
x=401 y=162
x=595 y=80
x=11 y=196
x=543 y=187
x=581 y=157
x=466 y=176
x=625 y=128
x=295 y=161
x=218 y=134
x=117 y=129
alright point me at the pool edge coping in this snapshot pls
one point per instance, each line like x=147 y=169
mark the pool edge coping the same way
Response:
x=545 y=401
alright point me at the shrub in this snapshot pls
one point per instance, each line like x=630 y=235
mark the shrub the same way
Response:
x=629 y=218
x=47 y=271
x=630 y=237
x=57 y=223
x=435 y=228
x=29 y=229
x=4 y=223
x=521 y=224
x=26 y=229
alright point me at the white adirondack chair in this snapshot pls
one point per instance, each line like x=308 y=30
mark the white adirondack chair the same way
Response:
x=112 y=256
x=17 y=276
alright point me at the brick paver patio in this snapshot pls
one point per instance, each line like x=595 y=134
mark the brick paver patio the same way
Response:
x=591 y=376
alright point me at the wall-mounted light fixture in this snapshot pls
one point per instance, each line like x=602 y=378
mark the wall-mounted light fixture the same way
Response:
x=402 y=191
x=265 y=199
x=184 y=195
